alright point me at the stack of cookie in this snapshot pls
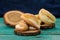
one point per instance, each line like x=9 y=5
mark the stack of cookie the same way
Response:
x=47 y=19
x=29 y=24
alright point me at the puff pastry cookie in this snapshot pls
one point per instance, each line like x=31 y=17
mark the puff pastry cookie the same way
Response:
x=12 y=17
x=47 y=18
x=31 y=20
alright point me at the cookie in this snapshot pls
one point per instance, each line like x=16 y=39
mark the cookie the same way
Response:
x=46 y=17
x=31 y=20
x=12 y=17
x=22 y=26
x=45 y=26
x=27 y=33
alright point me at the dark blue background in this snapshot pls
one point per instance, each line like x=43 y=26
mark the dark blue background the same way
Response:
x=31 y=6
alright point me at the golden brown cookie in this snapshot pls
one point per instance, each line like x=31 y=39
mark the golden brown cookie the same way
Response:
x=31 y=20
x=45 y=26
x=48 y=14
x=46 y=17
x=27 y=33
x=12 y=17
x=22 y=26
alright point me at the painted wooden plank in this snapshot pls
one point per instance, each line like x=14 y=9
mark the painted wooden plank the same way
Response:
x=53 y=31
x=4 y=29
x=39 y=37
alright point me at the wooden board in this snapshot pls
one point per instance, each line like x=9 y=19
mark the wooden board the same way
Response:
x=7 y=33
x=39 y=37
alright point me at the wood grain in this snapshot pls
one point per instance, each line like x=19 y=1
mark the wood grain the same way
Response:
x=39 y=37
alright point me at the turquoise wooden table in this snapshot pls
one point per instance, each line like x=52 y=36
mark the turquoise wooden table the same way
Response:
x=7 y=33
